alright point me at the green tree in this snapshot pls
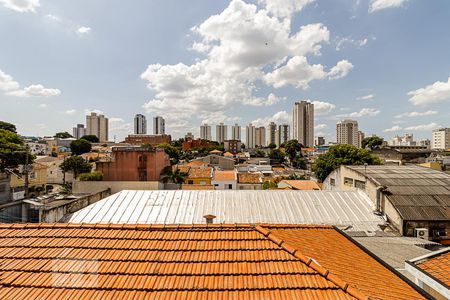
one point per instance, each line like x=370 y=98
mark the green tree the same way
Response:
x=91 y=138
x=92 y=176
x=172 y=151
x=63 y=135
x=12 y=150
x=76 y=165
x=277 y=154
x=299 y=162
x=272 y=146
x=175 y=176
x=178 y=143
x=372 y=142
x=341 y=155
x=292 y=148
x=80 y=146
x=8 y=126
x=260 y=153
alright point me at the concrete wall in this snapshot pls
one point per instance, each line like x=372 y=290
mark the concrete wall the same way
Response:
x=55 y=214
x=81 y=187
x=221 y=184
x=249 y=186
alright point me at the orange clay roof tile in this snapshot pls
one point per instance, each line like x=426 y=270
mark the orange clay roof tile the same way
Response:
x=210 y=261
x=200 y=173
x=437 y=266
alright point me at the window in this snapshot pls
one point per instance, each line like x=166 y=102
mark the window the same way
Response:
x=230 y=186
x=348 y=181
x=360 y=184
x=190 y=181
x=332 y=181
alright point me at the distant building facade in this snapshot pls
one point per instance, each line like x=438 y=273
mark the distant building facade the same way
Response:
x=320 y=141
x=233 y=146
x=97 y=124
x=282 y=134
x=347 y=132
x=189 y=136
x=159 y=125
x=272 y=134
x=303 y=123
x=406 y=140
x=361 y=137
x=190 y=144
x=79 y=131
x=441 y=138
x=250 y=136
x=205 y=132
x=236 y=132
x=260 y=137
x=155 y=139
x=140 y=124
x=221 y=133
x=134 y=164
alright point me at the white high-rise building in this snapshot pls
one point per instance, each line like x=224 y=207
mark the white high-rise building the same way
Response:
x=205 y=132
x=283 y=133
x=159 y=125
x=260 y=137
x=79 y=131
x=140 y=124
x=406 y=140
x=303 y=123
x=250 y=136
x=97 y=125
x=441 y=138
x=347 y=132
x=221 y=133
x=236 y=132
x=272 y=133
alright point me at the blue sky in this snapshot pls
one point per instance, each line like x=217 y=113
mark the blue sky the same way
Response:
x=385 y=63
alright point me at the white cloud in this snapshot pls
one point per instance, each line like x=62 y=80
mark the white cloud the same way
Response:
x=365 y=112
x=280 y=117
x=424 y=127
x=366 y=97
x=416 y=114
x=43 y=105
x=21 y=5
x=376 y=5
x=70 y=112
x=53 y=18
x=88 y=111
x=320 y=126
x=7 y=82
x=393 y=128
x=341 y=69
x=119 y=126
x=240 y=48
x=35 y=90
x=436 y=92
x=350 y=42
x=284 y=8
x=83 y=30
x=322 y=108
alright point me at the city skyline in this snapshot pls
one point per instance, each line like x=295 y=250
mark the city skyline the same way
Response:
x=345 y=71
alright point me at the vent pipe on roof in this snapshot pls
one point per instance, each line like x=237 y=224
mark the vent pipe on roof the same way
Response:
x=209 y=218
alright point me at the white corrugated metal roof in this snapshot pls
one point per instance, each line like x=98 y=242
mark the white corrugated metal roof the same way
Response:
x=188 y=207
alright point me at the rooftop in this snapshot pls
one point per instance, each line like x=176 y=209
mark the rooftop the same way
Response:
x=200 y=173
x=224 y=175
x=62 y=261
x=307 y=185
x=341 y=208
x=251 y=178
x=436 y=264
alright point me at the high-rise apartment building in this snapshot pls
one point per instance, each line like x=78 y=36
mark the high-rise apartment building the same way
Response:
x=159 y=125
x=236 y=132
x=320 y=141
x=250 y=136
x=221 y=133
x=361 y=137
x=140 y=124
x=406 y=140
x=441 y=138
x=79 y=131
x=303 y=123
x=97 y=125
x=283 y=133
x=205 y=132
x=272 y=133
x=260 y=137
x=347 y=132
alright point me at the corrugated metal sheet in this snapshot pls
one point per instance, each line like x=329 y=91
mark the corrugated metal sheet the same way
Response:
x=277 y=207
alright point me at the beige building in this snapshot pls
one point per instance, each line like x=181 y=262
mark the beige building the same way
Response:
x=36 y=181
x=236 y=132
x=221 y=133
x=97 y=125
x=250 y=136
x=441 y=138
x=272 y=134
x=303 y=123
x=205 y=132
x=347 y=133
x=260 y=137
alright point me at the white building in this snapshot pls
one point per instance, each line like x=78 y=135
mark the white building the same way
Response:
x=441 y=138
x=347 y=132
x=236 y=132
x=97 y=125
x=140 y=124
x=303 y=123
x=221 y=133
x=205 y=132
x=250 y=136
x=406 y=140
x=79 y=131
x=159 y=125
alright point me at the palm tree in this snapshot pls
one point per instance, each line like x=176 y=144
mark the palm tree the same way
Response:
x=175 y=176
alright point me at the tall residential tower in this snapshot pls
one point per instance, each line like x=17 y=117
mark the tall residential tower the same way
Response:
x=97 y=125
x=140 y=124
x=159 y=125
x=303 y=123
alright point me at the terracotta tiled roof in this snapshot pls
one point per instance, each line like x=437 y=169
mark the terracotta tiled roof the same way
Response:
x=228 y=154
x=437 y=266
x=196 y=163
x=305 y=185
x=200 y=173
x=334 y=252
x=249 y=178
x=195 y=187
x=224 y=175
x=182 y=168
x=103 y=261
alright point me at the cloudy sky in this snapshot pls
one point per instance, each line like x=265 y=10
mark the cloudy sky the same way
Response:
x=385 y=63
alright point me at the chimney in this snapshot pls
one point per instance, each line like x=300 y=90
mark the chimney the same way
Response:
x=209 y=218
